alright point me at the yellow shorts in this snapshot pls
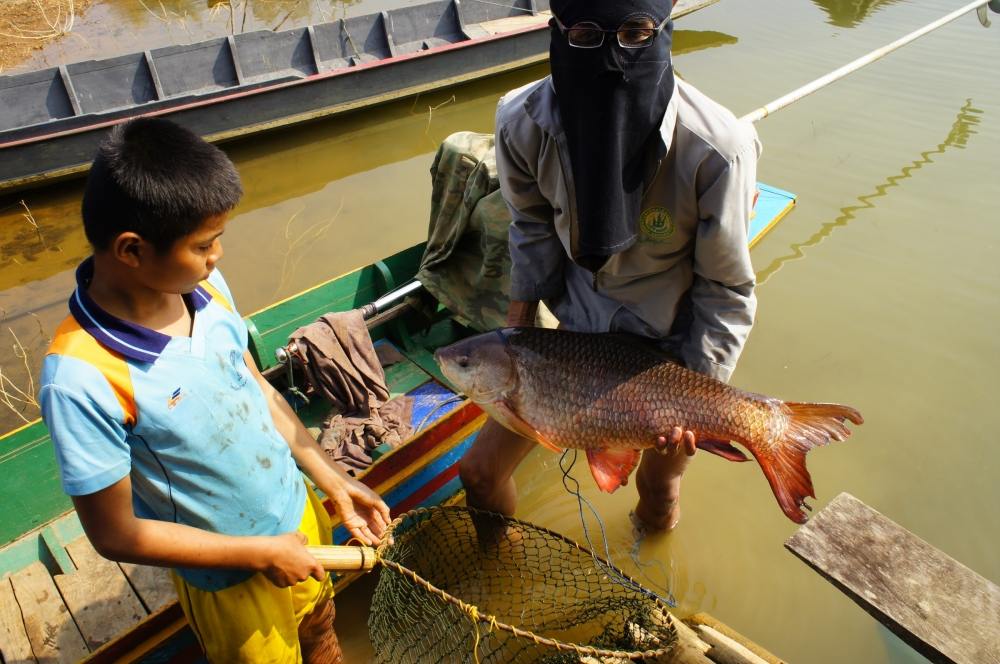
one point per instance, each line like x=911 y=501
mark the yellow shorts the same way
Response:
x=255 y=621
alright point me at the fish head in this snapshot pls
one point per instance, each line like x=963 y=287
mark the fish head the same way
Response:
x=481 y=367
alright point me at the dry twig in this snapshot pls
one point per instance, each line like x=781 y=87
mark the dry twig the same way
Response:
x=10 y=393
x=61 y=25
x=308 y=237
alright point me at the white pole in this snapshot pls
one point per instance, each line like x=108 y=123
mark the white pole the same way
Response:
x=824 y=81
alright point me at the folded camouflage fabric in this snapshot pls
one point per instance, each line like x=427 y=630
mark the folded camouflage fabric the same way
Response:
x=466 y=265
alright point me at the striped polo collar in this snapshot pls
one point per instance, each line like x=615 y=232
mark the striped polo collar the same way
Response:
x=133 y=341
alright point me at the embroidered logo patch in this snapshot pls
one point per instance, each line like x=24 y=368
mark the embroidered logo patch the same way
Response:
x=656 y=225
x=174 y=399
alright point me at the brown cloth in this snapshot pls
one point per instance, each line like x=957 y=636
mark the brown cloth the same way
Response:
x=342 y=366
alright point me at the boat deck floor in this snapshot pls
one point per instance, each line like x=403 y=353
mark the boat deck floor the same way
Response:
x=66 y=616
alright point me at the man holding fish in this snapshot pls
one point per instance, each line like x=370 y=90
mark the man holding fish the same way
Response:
x=631 y=194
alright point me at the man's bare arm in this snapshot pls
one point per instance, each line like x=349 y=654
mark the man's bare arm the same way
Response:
x=522 y=314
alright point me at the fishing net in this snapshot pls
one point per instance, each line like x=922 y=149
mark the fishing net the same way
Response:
x=530 y=595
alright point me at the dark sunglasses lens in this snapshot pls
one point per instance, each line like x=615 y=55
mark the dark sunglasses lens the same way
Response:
x=585 y=35
x=636 y=33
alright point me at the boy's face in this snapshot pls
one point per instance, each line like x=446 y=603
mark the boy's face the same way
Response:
x=189 y=261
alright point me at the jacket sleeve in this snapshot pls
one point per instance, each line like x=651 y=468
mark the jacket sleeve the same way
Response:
x=537 y=256
x=723 y=303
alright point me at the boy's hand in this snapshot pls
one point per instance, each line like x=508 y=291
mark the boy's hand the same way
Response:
x=288 y=562
x=364 y=513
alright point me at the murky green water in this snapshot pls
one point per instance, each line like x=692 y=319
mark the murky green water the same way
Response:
x=880 y=290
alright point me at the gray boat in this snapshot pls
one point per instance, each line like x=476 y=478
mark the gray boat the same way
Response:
x=51 y=120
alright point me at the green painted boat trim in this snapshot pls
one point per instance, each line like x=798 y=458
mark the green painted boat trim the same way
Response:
x=47 y=544
x=277 y=322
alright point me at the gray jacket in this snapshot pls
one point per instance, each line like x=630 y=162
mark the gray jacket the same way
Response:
x=688 y=281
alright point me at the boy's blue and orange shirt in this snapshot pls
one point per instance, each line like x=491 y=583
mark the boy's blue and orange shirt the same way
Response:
x=183 y=416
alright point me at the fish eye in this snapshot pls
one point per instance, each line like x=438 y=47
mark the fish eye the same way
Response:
x=463 y=361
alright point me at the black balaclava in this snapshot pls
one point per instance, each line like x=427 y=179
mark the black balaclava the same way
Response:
x=611 y=101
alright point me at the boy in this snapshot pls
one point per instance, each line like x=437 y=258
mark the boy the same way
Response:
x=175 y=450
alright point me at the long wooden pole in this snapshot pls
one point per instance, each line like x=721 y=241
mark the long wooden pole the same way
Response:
x=852 y=67
x=344 y=558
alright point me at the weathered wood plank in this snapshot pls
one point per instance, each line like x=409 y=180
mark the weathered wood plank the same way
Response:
x=98 y=595
x=14 y=645
x=938 y=606
x=51 y=631
x=153 y=585
x=685 y=7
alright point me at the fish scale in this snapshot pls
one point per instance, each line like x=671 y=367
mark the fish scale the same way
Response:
x=613 y=395
x=622 y=393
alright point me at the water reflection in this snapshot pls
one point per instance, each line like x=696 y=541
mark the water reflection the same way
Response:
x=963 y=128
x=851 y=13
x=692 y=41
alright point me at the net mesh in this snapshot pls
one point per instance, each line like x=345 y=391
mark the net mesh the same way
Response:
x=530 y=595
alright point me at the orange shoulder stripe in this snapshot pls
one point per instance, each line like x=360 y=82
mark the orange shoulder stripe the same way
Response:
x=217 y=295
x=71 y=340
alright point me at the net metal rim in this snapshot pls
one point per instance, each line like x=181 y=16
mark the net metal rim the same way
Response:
x=491 y=621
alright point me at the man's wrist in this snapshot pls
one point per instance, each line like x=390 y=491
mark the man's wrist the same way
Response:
x=522 y=314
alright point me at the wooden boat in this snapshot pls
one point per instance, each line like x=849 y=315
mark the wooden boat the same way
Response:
x=59 y=599
x=52 y=120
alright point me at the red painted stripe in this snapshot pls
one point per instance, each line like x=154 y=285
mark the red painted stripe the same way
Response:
x=425 y=491
x=409 y=454
x=412 y=451
x=278 y=86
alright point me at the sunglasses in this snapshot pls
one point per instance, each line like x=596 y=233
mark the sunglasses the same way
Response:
x=634 y=32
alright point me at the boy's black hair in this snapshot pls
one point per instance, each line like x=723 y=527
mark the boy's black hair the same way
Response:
x=156 y=179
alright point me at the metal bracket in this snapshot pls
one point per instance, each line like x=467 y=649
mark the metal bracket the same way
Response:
x=983 y=15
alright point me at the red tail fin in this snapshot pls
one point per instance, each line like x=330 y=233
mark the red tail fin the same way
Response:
x=809 y=425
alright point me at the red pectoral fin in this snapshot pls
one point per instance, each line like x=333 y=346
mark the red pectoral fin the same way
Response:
x=724 y=449
x=507 y=417
x=611 y=468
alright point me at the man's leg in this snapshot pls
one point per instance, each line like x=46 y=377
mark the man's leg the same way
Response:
x=658 y=481
x=487 y=472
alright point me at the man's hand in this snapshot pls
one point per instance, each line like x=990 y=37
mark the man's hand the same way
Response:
x=677 y=440
x=288 y=562
x=364 y=513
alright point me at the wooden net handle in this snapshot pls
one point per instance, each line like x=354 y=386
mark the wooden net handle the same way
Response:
x=344 y=558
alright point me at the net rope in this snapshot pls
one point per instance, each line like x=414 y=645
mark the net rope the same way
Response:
x=462 y=585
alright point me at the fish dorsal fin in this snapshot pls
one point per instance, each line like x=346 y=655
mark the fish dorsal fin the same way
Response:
x=506 y=416
x=723 y=449
x=611 y=467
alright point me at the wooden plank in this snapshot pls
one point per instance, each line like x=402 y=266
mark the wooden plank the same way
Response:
x=98 y=595
x=510 y=24
x=14 y=644
x=938 y=606
x=153 y=585
x=685 y=7
x=51 y=631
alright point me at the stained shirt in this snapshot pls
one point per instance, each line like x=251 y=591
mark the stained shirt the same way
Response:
x=182 y=416
x=688 y=280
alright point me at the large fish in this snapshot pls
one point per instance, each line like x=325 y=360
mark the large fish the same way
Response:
x=614 y=396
